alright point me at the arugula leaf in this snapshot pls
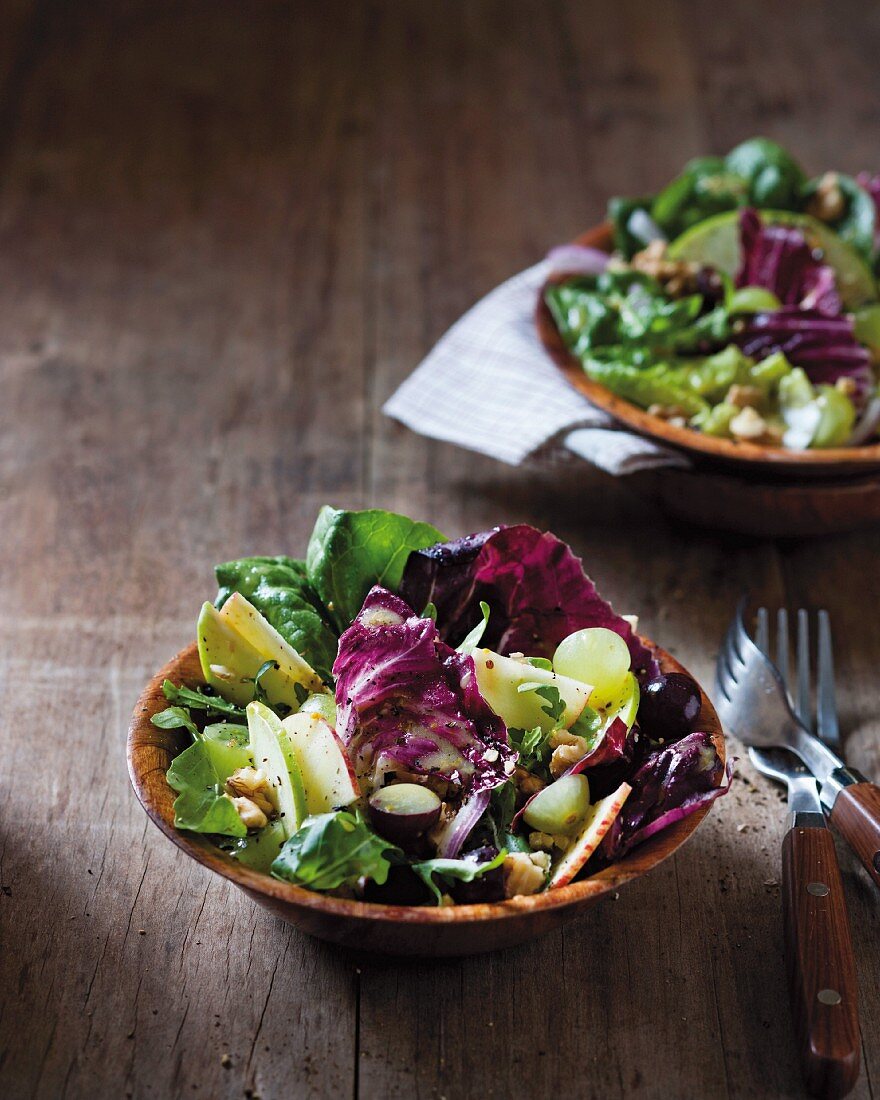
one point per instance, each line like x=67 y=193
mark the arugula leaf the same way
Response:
x=429 y=612
x=464 y=870
x=533 y=749
x=555 y=707
x=173 y=718
x=587 y=724
x=473 y=639
x=334 y=849
x=540 y=662
x=349 y=552
x=202 y=805
x=279 y=589
x=196 y=699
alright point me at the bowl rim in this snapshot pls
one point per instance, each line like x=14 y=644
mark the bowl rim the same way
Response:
x=149 y=753
x=864 y=457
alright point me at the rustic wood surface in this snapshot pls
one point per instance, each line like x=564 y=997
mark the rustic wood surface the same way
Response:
x=227 y=231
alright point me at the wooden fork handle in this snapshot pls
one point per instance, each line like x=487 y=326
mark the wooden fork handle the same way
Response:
x=856 y=816
x=819 y=958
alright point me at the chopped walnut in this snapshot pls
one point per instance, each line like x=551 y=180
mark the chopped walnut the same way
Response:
x=744 y=396
x=523 y=874
x=847 y=386
x=568 y=749
x=748 y=424
x=677 y=277
x=526 y=783
x=537 y=841
x=828 y=203
x=252 y=784
x=250 y=813
x=541 y=859
x=674 y=414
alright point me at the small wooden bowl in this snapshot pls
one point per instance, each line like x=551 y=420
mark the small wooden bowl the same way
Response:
x=761 y=461
x=397 y=930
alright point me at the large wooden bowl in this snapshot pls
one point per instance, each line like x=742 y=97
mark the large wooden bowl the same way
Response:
x=776 y=461
x=400 y=930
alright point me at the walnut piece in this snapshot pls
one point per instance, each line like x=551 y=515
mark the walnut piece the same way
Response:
x=249 y=812
x=750 y=427
x=526 y=783
x=252 y=784
x=744 y=396
x=677 y=277
x=523 y=873
x=828 y=203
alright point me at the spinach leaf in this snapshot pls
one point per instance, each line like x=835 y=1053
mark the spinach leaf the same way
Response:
x=334 y=849
x=856 y=224
x=280 y=590
x=201 y=804
x=774 y=178
x=463 y=870
x=349 y=552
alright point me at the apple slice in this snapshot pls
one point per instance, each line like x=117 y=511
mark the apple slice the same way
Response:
x=329 y=781
x=500 y=679
x=231 y=658
x=625 y=706
x=258 y=632
x=599 y=820
x=273 y=752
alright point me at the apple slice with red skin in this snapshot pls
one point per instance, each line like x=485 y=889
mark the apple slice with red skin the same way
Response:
x=599 y=820
x=328 y=778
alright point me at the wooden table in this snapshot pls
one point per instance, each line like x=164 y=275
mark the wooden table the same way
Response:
x=227 y=232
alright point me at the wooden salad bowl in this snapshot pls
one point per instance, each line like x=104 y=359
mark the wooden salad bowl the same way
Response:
x=762 y=460
x=391 y=929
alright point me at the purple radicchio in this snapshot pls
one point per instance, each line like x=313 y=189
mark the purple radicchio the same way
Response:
x=825 y=347
x=407 y=701
x=671 y=783
x=778 y=258
x=535 y=587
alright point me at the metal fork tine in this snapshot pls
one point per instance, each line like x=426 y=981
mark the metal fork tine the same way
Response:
x=826 y=703
x=725 y=678
x=803 y=709
x=782 y=647
x=762 y=631
x=731 y=647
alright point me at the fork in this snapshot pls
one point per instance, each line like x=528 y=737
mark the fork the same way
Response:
x=754 y=704
x=826 y=726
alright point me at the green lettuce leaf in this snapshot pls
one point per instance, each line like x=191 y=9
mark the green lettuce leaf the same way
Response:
x=331 y=850
x=349 y=552
x=201 y=805
x=464 y=870
x=280 y=590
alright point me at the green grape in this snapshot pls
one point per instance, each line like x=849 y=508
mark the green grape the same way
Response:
x=596 y=656
x=561 y=807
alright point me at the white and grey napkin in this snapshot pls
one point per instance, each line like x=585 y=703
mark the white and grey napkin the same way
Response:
x=489 y=386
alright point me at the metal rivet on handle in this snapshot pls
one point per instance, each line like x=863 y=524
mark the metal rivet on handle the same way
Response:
x=829 y=997
x=817 y=889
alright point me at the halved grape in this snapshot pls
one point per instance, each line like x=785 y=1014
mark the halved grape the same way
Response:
x=561 y=807
x=403 y=811
x=669 y=706
x=596 y=656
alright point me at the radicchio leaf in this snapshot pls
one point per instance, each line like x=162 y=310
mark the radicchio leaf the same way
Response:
x=670 y=784
x=535 y=587
x=826 y=347
x=778 y=258
x=406 y=700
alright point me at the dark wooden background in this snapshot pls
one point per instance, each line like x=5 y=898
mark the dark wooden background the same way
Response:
x=227 y=231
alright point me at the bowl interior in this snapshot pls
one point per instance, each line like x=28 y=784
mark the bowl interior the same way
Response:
x=151 y=750
x=776 y=460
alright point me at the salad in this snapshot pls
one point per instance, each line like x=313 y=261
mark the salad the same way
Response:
x=740 y=301
x=404 y=719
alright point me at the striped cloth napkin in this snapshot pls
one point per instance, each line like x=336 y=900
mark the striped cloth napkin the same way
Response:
x=489 y=386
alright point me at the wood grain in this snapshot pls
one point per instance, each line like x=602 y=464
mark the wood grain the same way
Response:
x=856 y=815
x=225 y=237
x=819 y=958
